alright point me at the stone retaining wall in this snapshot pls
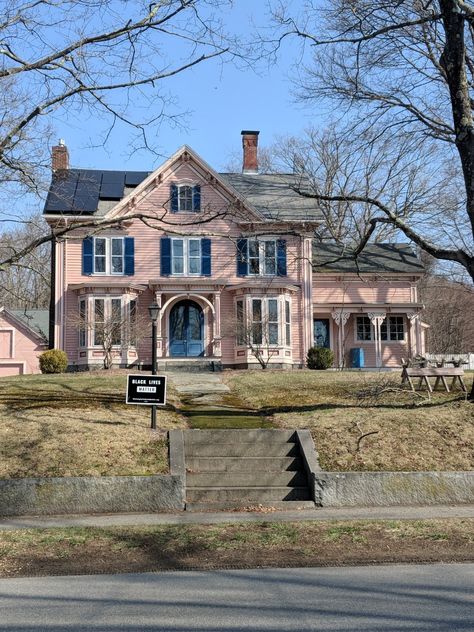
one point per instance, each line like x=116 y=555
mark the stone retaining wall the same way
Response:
x=105 y=494
x=373 y=489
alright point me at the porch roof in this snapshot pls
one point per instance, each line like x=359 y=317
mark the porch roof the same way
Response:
x=101 y=285
x=361 y=308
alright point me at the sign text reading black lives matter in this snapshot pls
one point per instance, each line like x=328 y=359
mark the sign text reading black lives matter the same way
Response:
x=147 y=390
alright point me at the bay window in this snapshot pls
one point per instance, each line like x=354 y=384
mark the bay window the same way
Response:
x=263 y=321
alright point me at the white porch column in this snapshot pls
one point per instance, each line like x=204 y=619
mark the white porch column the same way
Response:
x=340 y=318
x=216 y=340
x=415 y=326
x=159 y=337
x=377 y=318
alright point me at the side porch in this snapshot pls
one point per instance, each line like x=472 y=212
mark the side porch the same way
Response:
x=378 y=334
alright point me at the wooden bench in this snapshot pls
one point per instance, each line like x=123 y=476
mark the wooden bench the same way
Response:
x=440 y=373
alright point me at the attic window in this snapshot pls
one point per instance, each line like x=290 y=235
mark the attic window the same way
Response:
x=185 y=198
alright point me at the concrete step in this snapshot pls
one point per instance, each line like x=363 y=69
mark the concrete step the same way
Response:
x=246 y=479
x=258 y=449
x=246 y=495
x=252 y=435
x=193 y=365
x=290 y=505
x=243 y=464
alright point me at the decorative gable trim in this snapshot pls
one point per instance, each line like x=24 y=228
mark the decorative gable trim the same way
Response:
x=184 y=154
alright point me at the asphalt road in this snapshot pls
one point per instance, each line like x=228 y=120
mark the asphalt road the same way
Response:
x=379 y=599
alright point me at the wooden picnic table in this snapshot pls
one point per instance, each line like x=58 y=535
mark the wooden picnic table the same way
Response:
x=440 y=373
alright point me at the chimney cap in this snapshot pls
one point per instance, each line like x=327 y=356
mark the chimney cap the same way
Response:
x=252 y=132
x=62 y=142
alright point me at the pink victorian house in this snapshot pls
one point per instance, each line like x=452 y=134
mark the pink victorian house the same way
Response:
x=232 y=261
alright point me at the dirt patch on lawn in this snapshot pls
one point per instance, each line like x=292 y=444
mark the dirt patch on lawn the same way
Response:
x=269 y=544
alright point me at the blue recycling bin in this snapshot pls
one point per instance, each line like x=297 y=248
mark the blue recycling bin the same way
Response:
x=357 y=358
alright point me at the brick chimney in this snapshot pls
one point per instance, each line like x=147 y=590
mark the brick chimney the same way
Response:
x=60 y=156
x=250 y=146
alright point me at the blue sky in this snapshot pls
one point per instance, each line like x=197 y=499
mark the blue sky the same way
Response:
x=221 y=100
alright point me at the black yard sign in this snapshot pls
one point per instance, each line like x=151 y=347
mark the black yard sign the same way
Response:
x=148 y=390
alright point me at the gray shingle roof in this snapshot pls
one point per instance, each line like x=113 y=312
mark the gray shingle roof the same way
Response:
x=273 y=196
x=95 y=192
x=36 y=319
x=375 y=258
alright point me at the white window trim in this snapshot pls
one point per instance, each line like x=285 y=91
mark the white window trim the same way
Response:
x=186 y=272
x=372 y=332
x=261 y=256
x=108 y=256
x=248 y=313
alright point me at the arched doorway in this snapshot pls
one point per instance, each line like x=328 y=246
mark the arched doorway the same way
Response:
x=186 y=327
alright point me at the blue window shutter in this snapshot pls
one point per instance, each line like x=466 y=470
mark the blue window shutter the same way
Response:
x=87 y=256
x=206 y=257
x=242 y=257
x=197 y=198
x=165 y=253
x=174 y=198
x=129 y=250
x=281 y=257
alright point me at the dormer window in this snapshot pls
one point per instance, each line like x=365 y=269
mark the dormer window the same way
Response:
x=185 y=198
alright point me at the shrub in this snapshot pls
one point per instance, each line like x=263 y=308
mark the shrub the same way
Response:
x=319 y=358
x=53 y=361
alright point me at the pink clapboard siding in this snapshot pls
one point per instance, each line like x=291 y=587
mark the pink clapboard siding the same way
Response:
x=353 y=290
x=19 y=348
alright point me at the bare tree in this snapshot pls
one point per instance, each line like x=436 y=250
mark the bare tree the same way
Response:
x=93 y=58
x=398 y=75
x=26 y=284
x=112 y=327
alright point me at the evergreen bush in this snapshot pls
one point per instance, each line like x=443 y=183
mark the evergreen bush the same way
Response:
x=319 y=358
x=53 y=361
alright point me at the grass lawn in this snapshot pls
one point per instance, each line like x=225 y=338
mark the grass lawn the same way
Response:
x=78 y=425
x=134 y=549
x=402 y=431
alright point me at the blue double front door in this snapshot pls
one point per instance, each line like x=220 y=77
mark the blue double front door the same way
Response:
x=186 y=330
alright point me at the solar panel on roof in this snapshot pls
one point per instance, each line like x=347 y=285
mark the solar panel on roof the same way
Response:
x=133 y=178
x=61 y=195
x=87 y=192
x=112 y=185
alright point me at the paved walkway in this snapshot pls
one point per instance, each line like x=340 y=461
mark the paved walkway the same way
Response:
x=348 y=513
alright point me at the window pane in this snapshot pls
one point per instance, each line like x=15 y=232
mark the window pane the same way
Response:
x=257 y=333
x=364 y=330
x=383 y=330
x=273 y=333
x=98 y=321
x=178 y=247
x=272 y=310
x=253 y=248
x=287 y=311
x=240 y=323
x=178 y=265
x=270 y=259
x=116 y=321
x=195 y=266
x=82 y=318
x=99 y=264
x=117 y=246
x=99 y=246
x=288 y=335
x=117 y=265
x=185 y=198
x=133 y=322
x=194 y=247
x=257 y=310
